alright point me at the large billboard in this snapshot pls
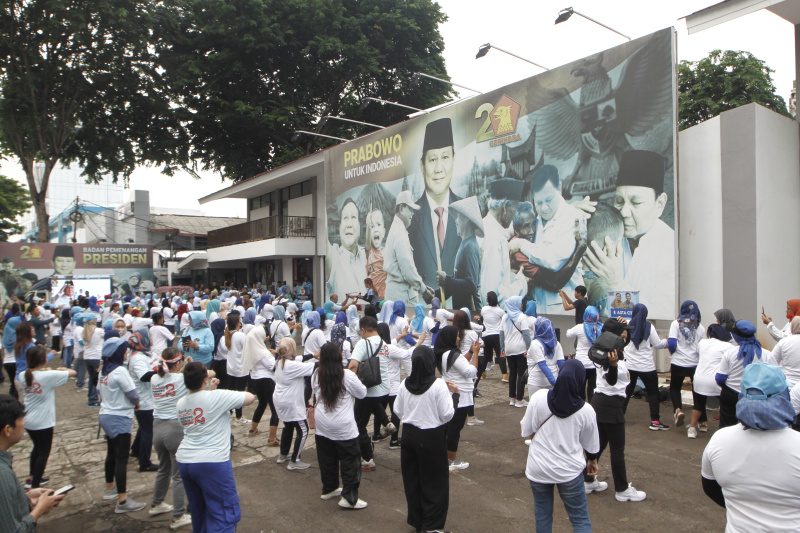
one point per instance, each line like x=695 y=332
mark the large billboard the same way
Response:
x=126 y=268
x=557 y=181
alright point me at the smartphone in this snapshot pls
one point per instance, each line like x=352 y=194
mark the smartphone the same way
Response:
x=63 y=490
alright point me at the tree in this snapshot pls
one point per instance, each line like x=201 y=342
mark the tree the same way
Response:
x=248 y=73
x=78 y=83
x=14 y=201
x=723 y=81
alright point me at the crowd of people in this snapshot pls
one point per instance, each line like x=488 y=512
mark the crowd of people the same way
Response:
x=185 y=365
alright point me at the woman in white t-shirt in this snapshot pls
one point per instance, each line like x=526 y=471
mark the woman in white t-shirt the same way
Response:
x=545 y=357
x=312 y=337
x=160 y=336
x=259 y=362
x=336 y=433
x=787 y=353
x=248 y=320
x=684 y=335
x=517 y=341
x=278 y=328
x=119 y=399
x=460 y=370
x=492 y=315
x=704 y=384
x=91 y=341
x=40 y=409
x=230 y=348
x=397 y=355
x=353 y=330
x=586 y=333
x=169 y=315
x=290 y=403
x=204 y=455
x=608 y=403
x=168 y=388
x=561 y=427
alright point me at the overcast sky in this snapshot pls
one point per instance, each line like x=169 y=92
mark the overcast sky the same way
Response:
x=527 y=29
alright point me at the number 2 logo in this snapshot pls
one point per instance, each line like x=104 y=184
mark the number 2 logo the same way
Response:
x=198 y=415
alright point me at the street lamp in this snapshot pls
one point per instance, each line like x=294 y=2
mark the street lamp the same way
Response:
x=565 y=14
x=369 y=99
x=416 y=76
x=297 y=134
x=324 y=120
x=484 y=49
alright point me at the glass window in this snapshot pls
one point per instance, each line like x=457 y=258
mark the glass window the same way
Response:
x=306 y=187
x=296 y=191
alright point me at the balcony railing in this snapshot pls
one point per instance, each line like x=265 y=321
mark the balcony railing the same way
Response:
x=275 y=227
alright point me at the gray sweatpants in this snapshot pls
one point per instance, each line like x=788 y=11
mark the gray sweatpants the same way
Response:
x=167 y=436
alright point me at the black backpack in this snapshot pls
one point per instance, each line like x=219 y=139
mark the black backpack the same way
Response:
x=606 y=342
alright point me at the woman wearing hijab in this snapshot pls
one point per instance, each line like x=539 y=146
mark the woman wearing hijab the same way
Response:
x=732 y=366
x=336 y=432
x=339 y=337
x=141 y=371
x=461 y=370
x=119 y=399
x=9 y=360
x=212 y=310
x=258 y=361
x=684 y=335
x=752 y=469
x=279 y=328
x=248 y=320
x=561 y=427
x=725 y=318
x=640 y=363
x=517 y=339
x=307 y=308
x=387 y=311
x=585 y=334
x=792 y=310
x=290 y=403
x=425 y=405
x=353 y=329
x=704 y=385
x=609 y=406
x=219 y=365
x=198 y=341
x=545 y=357
x=313 y=338
x=397 y=324
x=330 y=312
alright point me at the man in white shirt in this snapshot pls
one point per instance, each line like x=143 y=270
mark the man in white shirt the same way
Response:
x=403 y=282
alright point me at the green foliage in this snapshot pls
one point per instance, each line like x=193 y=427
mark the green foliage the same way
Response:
x=248 y=73
x=723 y=81
x=14 y=201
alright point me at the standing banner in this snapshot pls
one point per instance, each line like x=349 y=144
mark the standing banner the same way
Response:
x=561 y=180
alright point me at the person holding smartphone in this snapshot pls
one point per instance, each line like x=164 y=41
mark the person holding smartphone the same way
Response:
x=19 y=510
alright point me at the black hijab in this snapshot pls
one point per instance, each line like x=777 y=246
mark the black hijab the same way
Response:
x=369 y=310
x=720 y=332
x=446 y=342
x=423 y=372
x=564 y=398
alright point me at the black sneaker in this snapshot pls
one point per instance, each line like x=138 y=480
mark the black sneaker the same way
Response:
x=394 y=445
x=378 y=438
x=656 y=426
x=148 y=468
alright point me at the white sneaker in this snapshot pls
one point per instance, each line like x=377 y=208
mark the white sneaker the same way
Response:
x=109 y=494
x=527 y=442
x=691 y=432
x=368 y=466
x=630 y=494
x=161 y=508
x=344 y=504
x=520 y=403
x=388 y=429
x=458 y=465
x=282 y=459
x=331 y=495
x=184 y=520
x=678 y=418
x=512 y=402
x=595 y=486
x=243 y=421
x=489 y=366
x=297 y=465
x=473 y=421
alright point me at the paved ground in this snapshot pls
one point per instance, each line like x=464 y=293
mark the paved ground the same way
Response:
x=492 y=495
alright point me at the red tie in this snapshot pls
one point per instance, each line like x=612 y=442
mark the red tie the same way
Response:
x=440 y=226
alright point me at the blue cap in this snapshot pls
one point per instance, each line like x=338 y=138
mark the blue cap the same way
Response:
x=761 y=381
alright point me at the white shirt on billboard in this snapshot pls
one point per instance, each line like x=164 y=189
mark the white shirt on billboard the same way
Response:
x=347 y=270
x=651 y=270
x=496 y=264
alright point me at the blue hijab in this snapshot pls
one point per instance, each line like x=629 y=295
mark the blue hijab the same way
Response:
x=10 y=333
x=198 y=319
x=307 y=308
x=688 y=320
x=591 y=324
x=93 y=304
x=328 y=308
x=530 y=309
x=279 y=313
x=249 y=317
x=399 y=309
x=545 y=334
x=217 y=330
x=436 y=304
x=513 y=307
x=339 y=334
x=419 y=318
x=749 y=347
x=640 y=325
x=341 y=318
x=312 y=319
x=113 y=354
x=564 y=399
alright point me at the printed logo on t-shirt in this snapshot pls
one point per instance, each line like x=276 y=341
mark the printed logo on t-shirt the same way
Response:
x=162 y=391
x=103 y=380
x=189 y=417
x=36 y=388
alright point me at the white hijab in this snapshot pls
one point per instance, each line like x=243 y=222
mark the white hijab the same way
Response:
x=254 y=350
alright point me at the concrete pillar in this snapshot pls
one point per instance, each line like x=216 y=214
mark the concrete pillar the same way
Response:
x=141 y=215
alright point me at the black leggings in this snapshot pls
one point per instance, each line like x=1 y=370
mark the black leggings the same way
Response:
x=239 y=384
x=517 y=364
x=387 y=401
x=728 y=399
x=650 y=380
x=676 y=376
x=587 y=389
x=454 y=428
x=264 y=388
x=491 y=345
x=42 y=443
x=117 y=461
x=11 y=370
x=364 y=408
x=301 y=427
x=220 y=368
x=612 y=435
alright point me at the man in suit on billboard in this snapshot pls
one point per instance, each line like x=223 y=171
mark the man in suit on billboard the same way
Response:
x=432 y=225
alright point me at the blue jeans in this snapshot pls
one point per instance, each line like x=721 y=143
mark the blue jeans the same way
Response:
x=80 y=367
x=92 y=366
x=143 y=442
x=66 y=356
x=213 y=500
x=573 y=495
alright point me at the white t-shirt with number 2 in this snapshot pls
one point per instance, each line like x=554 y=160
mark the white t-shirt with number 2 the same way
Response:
x=207 y=425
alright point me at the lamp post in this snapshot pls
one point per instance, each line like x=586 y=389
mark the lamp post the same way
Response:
x=565 y=14
x=369 y=99
x=484 y=49
x=416 y=76
x=326 y=117
x=297 y=134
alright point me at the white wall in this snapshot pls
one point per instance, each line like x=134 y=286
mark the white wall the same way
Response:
x=261 y=212
x=302 y=207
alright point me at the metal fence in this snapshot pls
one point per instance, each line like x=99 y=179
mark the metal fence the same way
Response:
x=275 y=227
